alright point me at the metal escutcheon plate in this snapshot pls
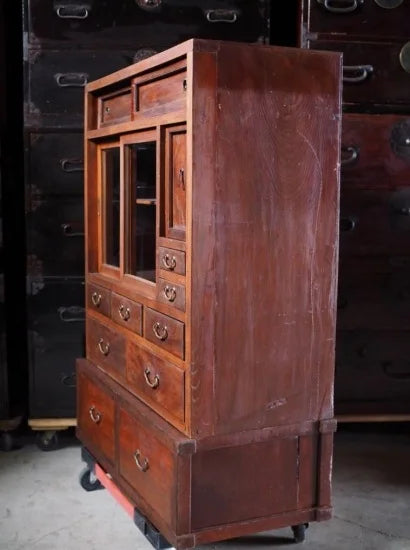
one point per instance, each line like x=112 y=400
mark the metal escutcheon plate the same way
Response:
x=389 y=4
x=405 y=57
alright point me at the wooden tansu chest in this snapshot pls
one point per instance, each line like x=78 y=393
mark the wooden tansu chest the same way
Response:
x=212 y=202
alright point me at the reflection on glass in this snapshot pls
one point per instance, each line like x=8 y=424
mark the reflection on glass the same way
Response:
x=111 y=201
x=142 y=209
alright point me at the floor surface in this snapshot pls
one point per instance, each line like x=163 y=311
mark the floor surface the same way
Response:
x=42 y=506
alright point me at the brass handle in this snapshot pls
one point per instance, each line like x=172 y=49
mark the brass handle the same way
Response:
x=124 y=313
x=142 y=466
x=71 y=80
x=161 y=332
x=96 y=299
x=169 y=263
x=95 y=415
x=221 y=16
x=352 y=154
x=170 y=293
x=349 y=5
x=153 y=384
x=104 y=347
x=362 y=73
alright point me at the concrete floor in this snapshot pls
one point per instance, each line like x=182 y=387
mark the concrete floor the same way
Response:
x=42 y=506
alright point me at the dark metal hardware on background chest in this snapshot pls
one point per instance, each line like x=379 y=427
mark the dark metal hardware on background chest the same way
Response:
x=341 y=6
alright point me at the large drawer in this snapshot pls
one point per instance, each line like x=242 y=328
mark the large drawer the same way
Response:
x=374 y=222
x=375 y=151
x=372 y=73
x=142 y=24
x=55 y=234
x=370 y=18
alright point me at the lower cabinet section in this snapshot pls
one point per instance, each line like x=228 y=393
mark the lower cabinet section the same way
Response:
x=197 y=491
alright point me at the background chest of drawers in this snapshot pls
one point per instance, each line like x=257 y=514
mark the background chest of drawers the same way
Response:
x=206 y=392
x=67 y=44
x=373 y=369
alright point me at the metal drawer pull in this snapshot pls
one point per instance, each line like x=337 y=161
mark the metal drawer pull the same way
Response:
x=68 y=231
x=389 y=4
x=71 y=314
x=386 y=366
x=142 y=466
x=96 y=299
x=169 y=263
x=104 y=347
x=149 y=4
x=170 y=293
x=352 y=154
x=222 y=16
x=362 y=72
x=347 y=224
x=72 y=165
x=161 y=332
x=71 y=80
x=95 y=415
x=69 y=380
x=405 y=57
x=153 y=384
x=72 y=12
x=349 y=5
x=124 y=313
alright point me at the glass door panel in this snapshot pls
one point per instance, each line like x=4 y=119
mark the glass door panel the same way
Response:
x=111 y=206
x=142 y=209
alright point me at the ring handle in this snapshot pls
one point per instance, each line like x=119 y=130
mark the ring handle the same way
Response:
x=170 y=293
x=169 y=262
x=142 y=466
x=362 y=73
x=161 y=332
x=351 y=155
x=104 y=347
x=96 y=299
x=152 y=384
x=95 y=415
x=124 y=312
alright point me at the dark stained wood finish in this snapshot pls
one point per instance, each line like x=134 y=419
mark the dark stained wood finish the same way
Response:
x=164 y=331
x=157 y=382
x=171 y=260
x=99 y=299
x=126 y=312
x=115 y=107
x=105 y=347
x=171 y=294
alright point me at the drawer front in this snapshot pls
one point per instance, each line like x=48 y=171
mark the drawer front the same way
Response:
x=374 y=222
x=375 y=152
x=372 y=73
x=171 y=294
x=106 y=348
x=115 y=108
x=164 y=331
x=56 y=331
x=156 y=381
x=159 y=92
x=147 y=464
x=374 y=293
x=381 y=18
x=141 y=24
x=171 y=260
x=55 y=234
x=56 y=166
x=99 y=299
x=57 y=82
x=96 y=416
x=126 y=313
x=372 y=366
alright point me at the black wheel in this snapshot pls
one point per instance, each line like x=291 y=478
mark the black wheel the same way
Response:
x=299 y=532
x=88 y=481
x=6 y=442
x=47 y=441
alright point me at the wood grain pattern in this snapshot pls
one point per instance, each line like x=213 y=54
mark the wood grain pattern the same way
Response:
x=99 y=299
x=126 y=312
x=105 y=347
x=164 y=331
x=171 y=260
x=171 y=293
x=115 y=108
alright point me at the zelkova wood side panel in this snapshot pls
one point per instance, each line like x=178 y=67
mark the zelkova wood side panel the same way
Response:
x=210 y=333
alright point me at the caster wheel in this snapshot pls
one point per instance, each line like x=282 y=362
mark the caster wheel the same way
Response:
x=299 y=532
x=89 y=482
x=47 y=441
x=6 y=442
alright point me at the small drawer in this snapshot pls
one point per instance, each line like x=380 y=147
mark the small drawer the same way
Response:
x=155 y=381
x=171 y=294
x=126 y=313
x=99 y=299
x=147 y=464
x=161 y=91
x=171 y=260
x=164 y=331
x=95 y=415
x=115 y=107
x=105 y=347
